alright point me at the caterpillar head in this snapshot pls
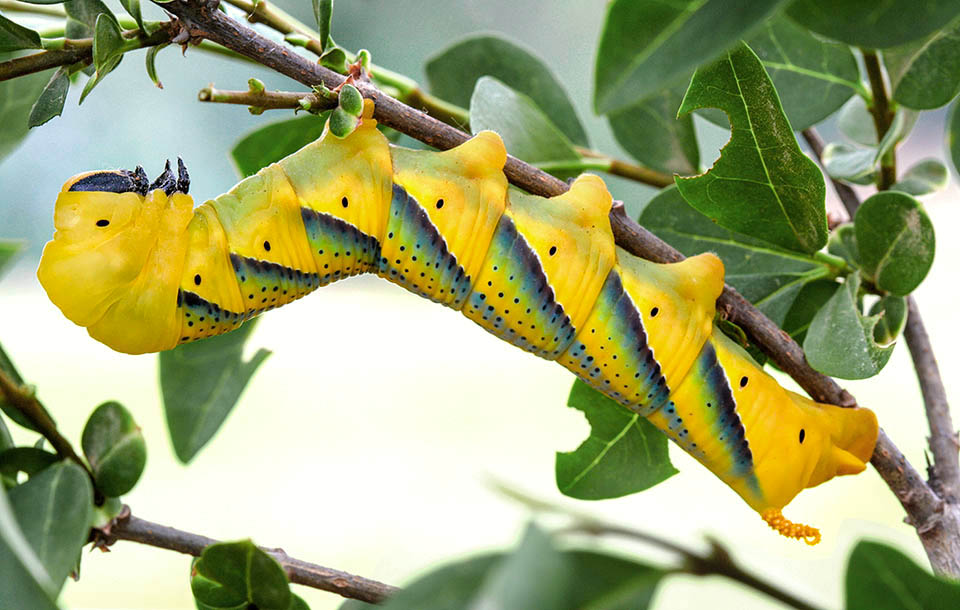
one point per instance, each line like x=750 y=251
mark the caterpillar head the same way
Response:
x=115 y=260
x=812 y=444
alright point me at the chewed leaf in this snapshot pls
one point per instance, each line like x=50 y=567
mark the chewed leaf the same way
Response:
x=893 y=317
x=762 y=185
x=840 y=341
x=624 y=453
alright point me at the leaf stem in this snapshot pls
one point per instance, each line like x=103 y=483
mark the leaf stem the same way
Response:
x=268 y=100
x=882 y=114
x=24 y=401
x=299 y=572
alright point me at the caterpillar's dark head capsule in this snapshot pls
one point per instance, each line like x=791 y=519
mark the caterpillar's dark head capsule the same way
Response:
x=136 y=181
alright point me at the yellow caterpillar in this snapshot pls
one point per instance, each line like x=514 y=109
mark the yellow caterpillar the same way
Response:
x=144 y=271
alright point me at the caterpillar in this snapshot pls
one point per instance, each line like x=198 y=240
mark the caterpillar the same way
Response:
x=144 y=271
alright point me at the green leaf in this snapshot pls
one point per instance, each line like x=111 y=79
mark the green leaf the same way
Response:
x=843 y=243
x=608 y=582
x=647 y=46
x=856 y=122
x=335 y=59
x=893 y=317
x=201 y=382
x=762 y=185
x=925 y=177
x=624 y=453
x=342 y=123
x=26 y=583
x=880 y=577
x=29 y=460
x=114 y=447
x=6 y=441
x=51 y=100
x=8 y=251
x=526 y=131
x=925 y=74
x=17 y=96
x=82 y=17
x=454 y=72
x=151 y=61
x=952 y=137
x=14 y=36
x=875 y=25
x=54 y=509
x=323 y=13
x=108 y=47
x=840 y=340
x=269 y=144
x=855 y=164
x=813 y=77
x=896 y=241
x=653 y=135
x=244 y=572
x=350 y=100
x=812 y=297
x=767 y=276
x=133 y=9
x=534 y=575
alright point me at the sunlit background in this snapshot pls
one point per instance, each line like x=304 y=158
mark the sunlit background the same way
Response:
x=368 y=440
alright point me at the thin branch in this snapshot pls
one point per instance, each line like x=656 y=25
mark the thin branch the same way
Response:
x=846 y=194
x=298 y=571
x=80 y=50
x=24 y=401
x=717 y=562
x=36 y=9
x=882 y=118
x=204 y=21
x=945 y=472
x=267 y=100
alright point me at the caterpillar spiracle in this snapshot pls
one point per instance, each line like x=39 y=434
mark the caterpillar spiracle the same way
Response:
x=144 y=271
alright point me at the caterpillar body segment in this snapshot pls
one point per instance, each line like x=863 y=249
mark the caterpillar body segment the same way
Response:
x=541 y=274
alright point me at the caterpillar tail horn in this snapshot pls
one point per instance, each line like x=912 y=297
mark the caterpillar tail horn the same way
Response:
x=789 y=529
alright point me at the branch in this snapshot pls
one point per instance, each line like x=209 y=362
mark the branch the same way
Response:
x=847 y=195
x=717 y=562
x=74 y=51
x=299 y=572
x=945 y=472
x=204 y=21
x=24 y=401
x=268 y=100
x=882 y=118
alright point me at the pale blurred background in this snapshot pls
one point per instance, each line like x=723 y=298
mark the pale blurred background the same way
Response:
x=366 y=442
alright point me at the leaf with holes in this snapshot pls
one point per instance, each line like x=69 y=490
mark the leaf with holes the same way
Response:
x=895 y=240
x=624 y=453
x=762 y=185
x=892 y=321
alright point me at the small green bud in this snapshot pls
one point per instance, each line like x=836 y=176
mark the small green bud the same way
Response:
x=363 y=58
x=351 y=101
x=342 y=123
x=305 y=103
x=115 y=449
x=255 y=110
x=256 y=85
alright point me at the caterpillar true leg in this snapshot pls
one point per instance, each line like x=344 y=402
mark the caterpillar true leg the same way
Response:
x=143 y=271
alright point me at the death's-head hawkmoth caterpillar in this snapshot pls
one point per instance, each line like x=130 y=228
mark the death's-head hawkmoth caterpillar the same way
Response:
x=144 y=271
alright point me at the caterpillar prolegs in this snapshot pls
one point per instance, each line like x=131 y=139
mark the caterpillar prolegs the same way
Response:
x=144 y=271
